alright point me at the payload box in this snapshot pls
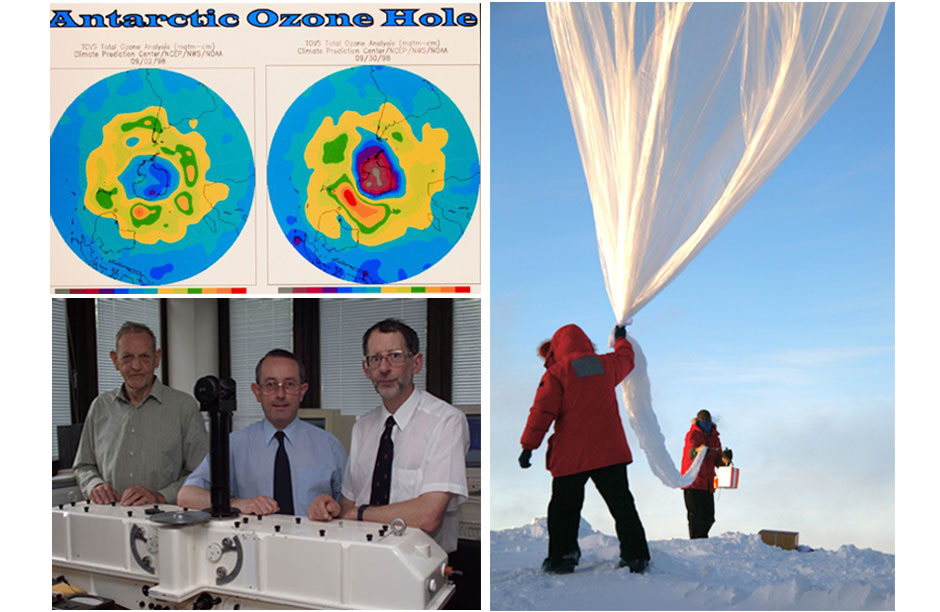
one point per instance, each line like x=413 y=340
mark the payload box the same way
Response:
x=726 y=477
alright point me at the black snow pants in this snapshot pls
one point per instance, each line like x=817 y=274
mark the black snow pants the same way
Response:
x=564 y=512
x=700 y=508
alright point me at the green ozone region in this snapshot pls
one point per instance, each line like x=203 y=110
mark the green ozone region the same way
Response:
x=149 y=219
x=148 y=123
x=334 y=151
x=187 y=160
x=188 y=209
x=103 y=198
x=365 y=229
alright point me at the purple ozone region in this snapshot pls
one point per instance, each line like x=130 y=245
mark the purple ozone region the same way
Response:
x=378 y=174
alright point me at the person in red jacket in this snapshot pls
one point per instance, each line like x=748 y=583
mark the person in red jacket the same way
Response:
x=577 y=394
x=700 y=495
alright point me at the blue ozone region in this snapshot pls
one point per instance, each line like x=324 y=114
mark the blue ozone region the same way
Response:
x=149 y=177
x=368 y=271
x=158 y=272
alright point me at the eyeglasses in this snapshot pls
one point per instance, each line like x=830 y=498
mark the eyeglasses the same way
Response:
x=394 y=358
x=270 y=387
x=145 y=358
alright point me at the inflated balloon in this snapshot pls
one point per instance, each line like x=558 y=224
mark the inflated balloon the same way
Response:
x=681 y=112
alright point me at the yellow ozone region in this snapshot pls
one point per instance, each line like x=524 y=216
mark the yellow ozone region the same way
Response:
x=148 y=133
x=332 y=188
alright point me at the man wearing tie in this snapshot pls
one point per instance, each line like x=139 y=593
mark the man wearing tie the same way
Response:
x=408 y=456
x=280 y=464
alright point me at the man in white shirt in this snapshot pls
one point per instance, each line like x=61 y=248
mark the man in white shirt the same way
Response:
x=425 y=459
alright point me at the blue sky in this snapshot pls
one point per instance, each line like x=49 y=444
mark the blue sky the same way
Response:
x=783 y=327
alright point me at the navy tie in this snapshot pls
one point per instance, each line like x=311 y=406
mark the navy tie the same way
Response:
x=382 y=474
x=283 y=492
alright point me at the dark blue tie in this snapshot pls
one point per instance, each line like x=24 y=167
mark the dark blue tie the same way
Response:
x=283 y=492
x=382 y=474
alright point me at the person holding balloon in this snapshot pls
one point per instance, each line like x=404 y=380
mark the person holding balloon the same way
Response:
x=577 y=394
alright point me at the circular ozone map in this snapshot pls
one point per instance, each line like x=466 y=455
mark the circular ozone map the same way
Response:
x=373 y=174
x=152 y=176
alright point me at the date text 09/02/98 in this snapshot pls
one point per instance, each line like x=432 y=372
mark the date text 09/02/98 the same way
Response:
x=264 y=18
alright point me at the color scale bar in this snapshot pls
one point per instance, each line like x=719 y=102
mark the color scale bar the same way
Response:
x=392 y=289
x=158 y=291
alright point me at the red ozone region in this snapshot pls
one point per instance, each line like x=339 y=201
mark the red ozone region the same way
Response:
x=376 y=174
x=365 y=213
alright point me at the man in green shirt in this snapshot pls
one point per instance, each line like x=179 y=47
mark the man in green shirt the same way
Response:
x=140 y=441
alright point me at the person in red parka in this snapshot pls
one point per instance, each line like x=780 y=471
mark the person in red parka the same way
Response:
x=700 y=495
x=577 y=394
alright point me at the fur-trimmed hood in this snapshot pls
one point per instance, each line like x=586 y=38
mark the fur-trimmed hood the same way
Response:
x=569 y=342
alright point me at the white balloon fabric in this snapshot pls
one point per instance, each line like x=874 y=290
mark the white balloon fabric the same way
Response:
x=639 y=403
x=680 y=113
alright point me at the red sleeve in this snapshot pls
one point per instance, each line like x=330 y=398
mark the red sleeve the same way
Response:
x=543 y=412
x=696 y=439
x=621 y=360
x=717 y=448
x=693 y=439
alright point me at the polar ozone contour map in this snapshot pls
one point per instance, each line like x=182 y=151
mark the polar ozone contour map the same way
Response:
x=373 y=174
x=152 y=176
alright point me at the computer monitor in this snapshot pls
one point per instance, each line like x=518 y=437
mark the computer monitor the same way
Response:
x=318 y=421
x=68 y=437
x=473 y=455
x=474 y=420
x=333 y=421
x=469 y=527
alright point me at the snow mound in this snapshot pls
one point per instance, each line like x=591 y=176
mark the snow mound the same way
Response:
x=538 y=528
x=732 y=571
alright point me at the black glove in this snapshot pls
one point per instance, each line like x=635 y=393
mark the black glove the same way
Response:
x=620 y=332
x=727 y=454
x=524 y=459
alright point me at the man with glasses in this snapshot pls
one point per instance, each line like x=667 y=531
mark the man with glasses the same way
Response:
x=280 y=464
x=140 y=441
x=407 y=458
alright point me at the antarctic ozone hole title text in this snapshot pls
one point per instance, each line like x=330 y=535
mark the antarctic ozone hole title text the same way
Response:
x=264 y=18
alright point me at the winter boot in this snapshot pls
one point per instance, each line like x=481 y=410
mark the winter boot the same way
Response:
x=564 y=565
x=637 y=566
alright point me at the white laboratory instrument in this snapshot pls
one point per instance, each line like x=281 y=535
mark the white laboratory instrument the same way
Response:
x=165 y=557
